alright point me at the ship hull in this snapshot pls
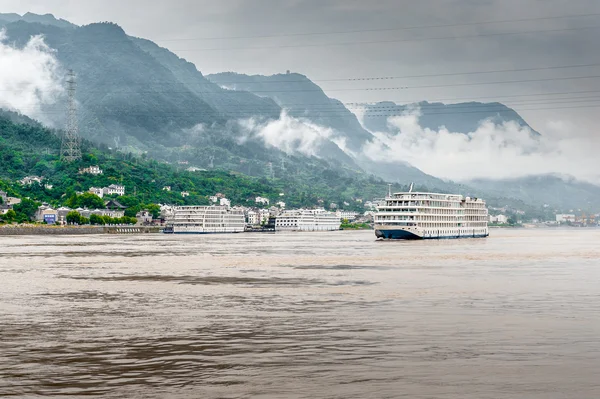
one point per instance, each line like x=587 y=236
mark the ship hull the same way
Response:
x=399 y=234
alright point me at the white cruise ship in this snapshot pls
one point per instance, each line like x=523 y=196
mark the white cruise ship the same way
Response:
x=414 y=215
x=307 y=220
x=205 y=220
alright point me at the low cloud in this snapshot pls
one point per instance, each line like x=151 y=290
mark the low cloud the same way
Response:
x=30 y=77
x=289 y=134
x=497 y=151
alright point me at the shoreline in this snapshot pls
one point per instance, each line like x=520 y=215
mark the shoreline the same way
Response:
x=75 y=230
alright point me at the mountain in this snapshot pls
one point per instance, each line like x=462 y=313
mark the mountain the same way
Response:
x=27 y=148
x=46 y=19
x=558 y=192
x=136 y=96
x=457 y=118
x=302 y=98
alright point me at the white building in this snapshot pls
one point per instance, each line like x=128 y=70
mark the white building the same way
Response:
x=195 y=169
x=213 y=198
x=185 y=194
x=48 y=186
x=499 y=219
x=30 y=180
x=47 y=214
x=348 y=215
x=564 y=218
x=114 y=189
x=281 y=204
x=261 y=200
x=98 y=191
x=258 y=216
x=167 y=188
x=92 y=170
x=224 y=202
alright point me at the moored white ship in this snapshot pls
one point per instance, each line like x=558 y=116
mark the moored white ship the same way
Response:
x=205 y=220
x=417 y=215
x=307 y=220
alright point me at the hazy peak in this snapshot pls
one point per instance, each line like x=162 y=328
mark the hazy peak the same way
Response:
x=45 y=19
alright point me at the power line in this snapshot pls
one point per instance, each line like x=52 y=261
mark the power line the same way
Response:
x=388 y=29
x=389 y=88
x=346 y=107
x=343 y=32
x=488 y=108
x=415 y=76
x=268 y=80
x=353 y=43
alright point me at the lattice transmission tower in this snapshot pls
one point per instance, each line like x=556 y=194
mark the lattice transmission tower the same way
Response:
x=270 y=171
x=70 y=149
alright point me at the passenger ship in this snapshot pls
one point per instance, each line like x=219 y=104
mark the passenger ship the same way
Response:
x=205 y=220
x=307 y=220
x=415 y=215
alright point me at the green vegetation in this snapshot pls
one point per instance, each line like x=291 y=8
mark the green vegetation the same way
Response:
x=29 y=149
x=75 y=218
x=9 y=216
x=346 y=225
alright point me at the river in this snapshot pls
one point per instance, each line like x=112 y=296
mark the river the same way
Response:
x=301 y=315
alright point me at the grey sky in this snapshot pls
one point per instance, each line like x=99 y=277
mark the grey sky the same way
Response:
x=167 y=22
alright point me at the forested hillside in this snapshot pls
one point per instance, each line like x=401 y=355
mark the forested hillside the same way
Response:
x=29 y=149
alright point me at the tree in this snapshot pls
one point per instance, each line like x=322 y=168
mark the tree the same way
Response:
x=512 y=221
x=154 y=210
x=27 y=208
x=90 y=201
x=73 y=217
x=72 y=201
x=95 y=219
x=9 y=216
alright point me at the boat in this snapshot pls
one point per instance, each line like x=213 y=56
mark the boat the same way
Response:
x=422 y=215
x=204 y=220
x=307 y=220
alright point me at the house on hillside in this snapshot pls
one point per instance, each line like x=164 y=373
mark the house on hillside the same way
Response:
x=26 y=181
x=225 y=202
x=97 y=191
x=261 y=200
x=114 y=189
x=185 y=194
x=92 y=170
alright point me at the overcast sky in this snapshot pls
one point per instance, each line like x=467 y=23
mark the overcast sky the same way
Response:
x=185 y=27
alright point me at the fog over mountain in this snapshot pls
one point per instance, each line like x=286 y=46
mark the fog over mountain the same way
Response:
x=30 y=77
x=507 y=149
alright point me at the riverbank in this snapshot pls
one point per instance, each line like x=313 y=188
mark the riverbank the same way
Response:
x=25 y=230
x=356 y=226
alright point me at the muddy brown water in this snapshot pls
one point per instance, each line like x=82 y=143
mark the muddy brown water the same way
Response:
x=301 y=315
